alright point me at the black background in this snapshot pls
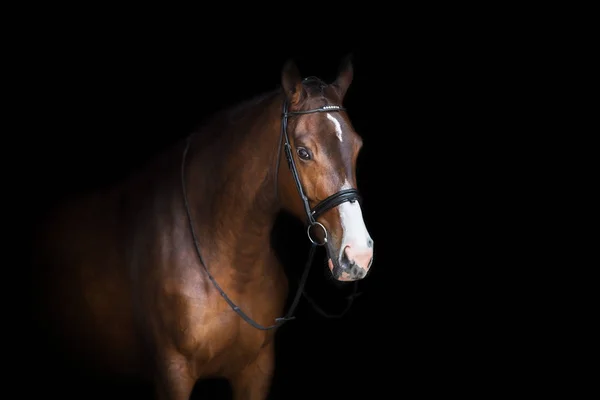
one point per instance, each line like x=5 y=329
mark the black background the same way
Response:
x=430 y=105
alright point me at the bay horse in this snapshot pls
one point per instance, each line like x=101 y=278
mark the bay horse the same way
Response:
x=169 y=274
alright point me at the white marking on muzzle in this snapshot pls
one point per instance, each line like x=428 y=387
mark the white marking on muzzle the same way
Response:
x=338 y=127
x=355 y=232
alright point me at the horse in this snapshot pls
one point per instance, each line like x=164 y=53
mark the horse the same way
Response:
x=169 y=275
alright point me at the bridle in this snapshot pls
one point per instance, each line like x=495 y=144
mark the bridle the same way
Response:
x=312 y=214
x=330 y=202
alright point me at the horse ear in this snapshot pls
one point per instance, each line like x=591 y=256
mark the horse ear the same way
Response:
x=292 y=82
x=345 y=75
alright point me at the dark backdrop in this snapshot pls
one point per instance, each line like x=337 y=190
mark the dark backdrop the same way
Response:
x=425 y=321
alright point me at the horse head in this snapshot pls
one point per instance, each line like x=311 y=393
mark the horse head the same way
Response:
x=322 y=149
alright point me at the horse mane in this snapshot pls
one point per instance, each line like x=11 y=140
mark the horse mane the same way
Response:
x=223 y=129
x=222 y=125
x=227 y=127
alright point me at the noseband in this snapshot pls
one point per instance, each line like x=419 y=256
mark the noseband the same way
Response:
x=312 y=214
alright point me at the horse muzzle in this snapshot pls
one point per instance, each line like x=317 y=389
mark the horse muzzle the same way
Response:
x=353 y=265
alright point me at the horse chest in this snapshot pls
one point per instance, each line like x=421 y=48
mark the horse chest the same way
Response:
x=202 y=325
x=217 y=339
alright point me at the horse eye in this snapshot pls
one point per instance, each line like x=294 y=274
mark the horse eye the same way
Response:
x=303 y=153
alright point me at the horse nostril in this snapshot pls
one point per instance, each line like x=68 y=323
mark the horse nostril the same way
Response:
x=345 y=259
x=370 y=243
x=357 y=257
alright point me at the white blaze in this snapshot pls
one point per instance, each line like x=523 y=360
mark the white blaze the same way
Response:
x=355 y=232
x=336 y=123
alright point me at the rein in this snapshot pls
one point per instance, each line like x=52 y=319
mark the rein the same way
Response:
x=311 y=215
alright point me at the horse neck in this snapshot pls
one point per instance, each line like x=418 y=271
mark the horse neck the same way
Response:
x=231 y=181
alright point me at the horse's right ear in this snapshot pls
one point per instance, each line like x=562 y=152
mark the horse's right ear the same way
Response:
x=292 y=82
x=345 y=74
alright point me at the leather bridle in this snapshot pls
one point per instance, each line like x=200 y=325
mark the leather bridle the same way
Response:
x=330 y=202
x=312 y=214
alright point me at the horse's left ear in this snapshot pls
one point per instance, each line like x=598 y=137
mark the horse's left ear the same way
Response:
x=345 y=75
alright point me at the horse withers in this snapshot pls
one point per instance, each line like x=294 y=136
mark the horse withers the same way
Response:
x=169 y=274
